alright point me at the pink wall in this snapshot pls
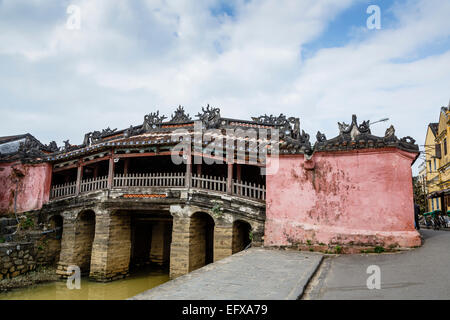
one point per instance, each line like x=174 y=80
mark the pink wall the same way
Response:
x=34 y=186
x=364 y=197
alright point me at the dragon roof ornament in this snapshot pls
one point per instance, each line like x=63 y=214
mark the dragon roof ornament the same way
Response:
x=152 y=121
x=358 y=136
x=180 y=116
x=210 y=117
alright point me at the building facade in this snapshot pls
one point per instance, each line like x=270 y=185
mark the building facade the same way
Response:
x=437 y=161
x=183 y=193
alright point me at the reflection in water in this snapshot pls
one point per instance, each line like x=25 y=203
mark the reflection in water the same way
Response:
x=90 y=290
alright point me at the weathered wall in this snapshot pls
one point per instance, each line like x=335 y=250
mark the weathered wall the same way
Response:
x=16 y=259
x=359 y=197
x=33 y=187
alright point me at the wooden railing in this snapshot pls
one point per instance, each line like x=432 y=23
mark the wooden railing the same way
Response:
x=92 y=184
x=209 y=183
x=249 y=190
x=177 y=179
x=63 y=190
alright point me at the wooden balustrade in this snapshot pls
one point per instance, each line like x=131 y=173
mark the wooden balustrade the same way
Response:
x=249 y=190
x=209 y=183
x=93 y=184
x=177 y=179
x=63 y=190
x=149 y=180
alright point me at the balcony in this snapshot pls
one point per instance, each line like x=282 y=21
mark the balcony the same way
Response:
x=177 y=180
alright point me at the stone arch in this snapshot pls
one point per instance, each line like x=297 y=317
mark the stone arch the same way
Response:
x=84 y=238
x=55 y=224
x=201 y=240
x=242 y=237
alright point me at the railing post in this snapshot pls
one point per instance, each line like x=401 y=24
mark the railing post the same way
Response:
x=111 y=172
x=230 y=178
x=79 y=178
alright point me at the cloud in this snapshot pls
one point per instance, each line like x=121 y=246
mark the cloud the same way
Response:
x=133 y=57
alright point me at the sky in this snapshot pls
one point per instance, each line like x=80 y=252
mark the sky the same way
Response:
x=312 y=59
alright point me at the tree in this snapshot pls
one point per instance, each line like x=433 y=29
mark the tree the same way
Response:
x=420 y=196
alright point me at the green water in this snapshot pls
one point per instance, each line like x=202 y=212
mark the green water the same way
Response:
x=115 y=290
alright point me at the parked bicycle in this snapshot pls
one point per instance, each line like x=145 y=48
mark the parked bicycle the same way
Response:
x=436 y=219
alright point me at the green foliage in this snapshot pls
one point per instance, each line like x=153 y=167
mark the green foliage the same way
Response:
x=308 y=242
x=216 y=210
x=250 y=235
x=338 y=249
x=379 y=249
x=26 y=224
x=2 y=240
x=420 y=196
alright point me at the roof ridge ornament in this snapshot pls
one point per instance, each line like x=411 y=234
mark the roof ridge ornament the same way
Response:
x=210 y=117
x=180 y=116
x=354 y=136
x=152 y=121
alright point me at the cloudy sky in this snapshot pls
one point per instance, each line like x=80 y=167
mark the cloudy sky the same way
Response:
x=313 y=59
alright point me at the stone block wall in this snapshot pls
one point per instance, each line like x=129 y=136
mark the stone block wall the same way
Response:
x=197 y=237
x=112 y=247
x=16 y=259
x=223 y=236
x=179 y=249
x=76 y=244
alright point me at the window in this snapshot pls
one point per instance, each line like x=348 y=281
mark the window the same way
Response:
x=432 y=204
x=429 y=165
x=445 y=146
x=434 y=164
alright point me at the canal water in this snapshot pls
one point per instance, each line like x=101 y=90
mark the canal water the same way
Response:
x=90 y=290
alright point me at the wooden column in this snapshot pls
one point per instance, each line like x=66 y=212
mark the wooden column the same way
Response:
x=188 y=177
x=126 y=162
x=110 y=172
x=238 y=176
x=79 y=178
x=230 y=178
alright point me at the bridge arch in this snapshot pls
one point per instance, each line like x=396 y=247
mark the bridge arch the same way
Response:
x=201 y=240
x=84 y=238
x=242 y=235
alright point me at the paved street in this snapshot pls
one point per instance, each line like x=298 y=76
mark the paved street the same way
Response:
x=254 y=274
x=423 y=273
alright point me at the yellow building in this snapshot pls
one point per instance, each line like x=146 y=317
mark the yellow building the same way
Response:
x=438 y=162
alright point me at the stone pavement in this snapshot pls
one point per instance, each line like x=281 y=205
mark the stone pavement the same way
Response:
x=422 y=273
x=254 y=274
